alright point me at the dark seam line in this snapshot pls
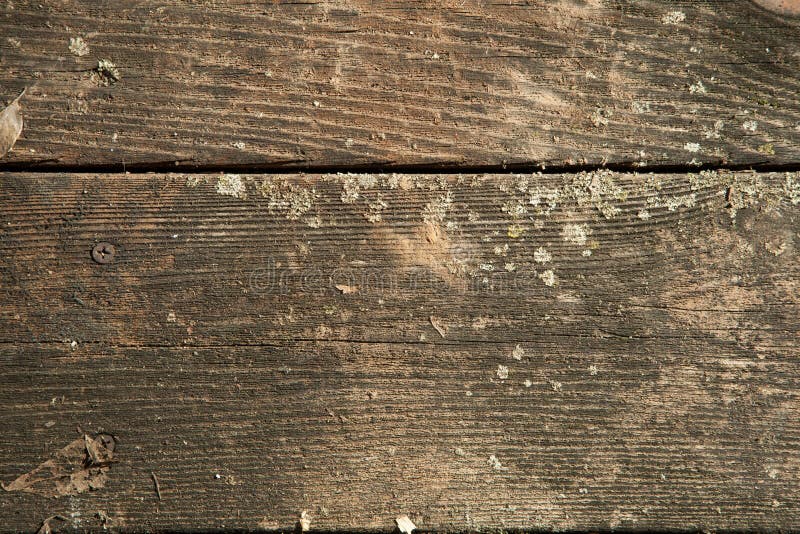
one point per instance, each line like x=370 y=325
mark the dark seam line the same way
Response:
x=296 y=167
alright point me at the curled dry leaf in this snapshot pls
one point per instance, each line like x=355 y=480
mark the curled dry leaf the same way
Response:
x=347 y=290
x=79 y=467
x=46 y=528
x=10 y=125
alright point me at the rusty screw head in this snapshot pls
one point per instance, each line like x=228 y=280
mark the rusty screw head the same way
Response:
x=103 y=252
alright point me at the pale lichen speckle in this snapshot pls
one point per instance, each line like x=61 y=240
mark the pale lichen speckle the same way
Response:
x=540 y=255
x=293 y=200
x=436 y=210
x=496 y=464
x=231 y=185
x=576 y=233
x=502 y=372
x=350 y=189
x=673 y=17
x=548 y=277
x=518 y=353
x=106 y=73
x=692 y=147
x=697 y=88
x=750 y=126
x=767 y=148
x=375 y=209
x=78 y=46
x=791 y=187
x=598 y=189
x=194 y=181
x=601 y=117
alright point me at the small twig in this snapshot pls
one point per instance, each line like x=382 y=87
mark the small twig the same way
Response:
x=157 y=485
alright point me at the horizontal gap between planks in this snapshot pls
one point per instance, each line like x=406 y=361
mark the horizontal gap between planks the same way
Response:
x=443 y=168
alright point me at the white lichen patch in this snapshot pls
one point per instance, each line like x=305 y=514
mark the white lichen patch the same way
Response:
x=350 y=189
x=375 y=208
x=518 y=353
x=750 y=126
x=640 y=107
x=231 y=185
x=106 y=73
x=673 y=17
x=436 y=210
x=548 y=277
x=515 y=208
x=791 y=187
x=697 y=88
x=501 y=250
x=576 y=234
x=502 y=372
x=714 y=132
x=290 y=199
x=601 y=117
x=555 y=385
x=195 y=180
x=692 y=147
x=495 y=463
x=78 y=46
x=544 y=199
x=678 y=201
x=598 y=189
x=541 y=256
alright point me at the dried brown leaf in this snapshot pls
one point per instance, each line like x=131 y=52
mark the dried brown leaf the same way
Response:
x=347 y=290
x=46 y=528
x=79 y=467
x=10 y=125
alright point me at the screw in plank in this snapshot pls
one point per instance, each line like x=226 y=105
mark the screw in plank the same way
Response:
x=103 y=252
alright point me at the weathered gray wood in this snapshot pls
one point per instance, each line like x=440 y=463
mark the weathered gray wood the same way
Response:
x=297 y=84
x=655 y=384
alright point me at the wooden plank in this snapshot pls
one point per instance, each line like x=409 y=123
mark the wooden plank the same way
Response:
x=391 y=84
x=580 y=351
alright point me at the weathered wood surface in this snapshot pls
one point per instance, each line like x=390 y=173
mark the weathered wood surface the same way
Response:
x=319 y=84
x=539 y=351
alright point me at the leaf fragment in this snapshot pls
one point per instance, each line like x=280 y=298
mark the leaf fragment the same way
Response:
x=79 y=467
x=10 y=125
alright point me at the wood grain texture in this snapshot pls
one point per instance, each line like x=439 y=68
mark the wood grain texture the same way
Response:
x=583 y=351
x=391 y=84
